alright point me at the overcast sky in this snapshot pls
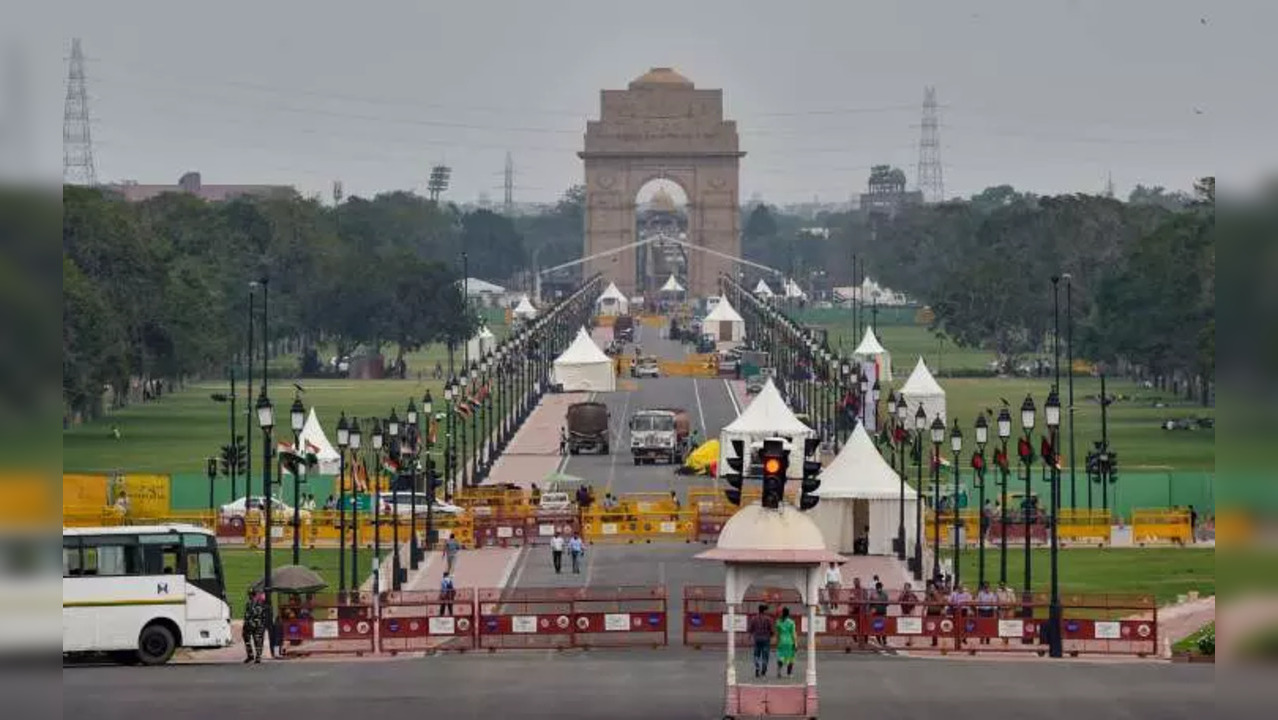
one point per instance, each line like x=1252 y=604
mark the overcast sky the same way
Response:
x=1048 y=95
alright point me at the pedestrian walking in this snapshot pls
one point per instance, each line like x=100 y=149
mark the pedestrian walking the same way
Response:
x=451 y=548
x=576 y=549
x=787 y=645
x=254 y=631
x=563 y=441
x=1193 y=525
x=879 y=608
x=760 y=629
x=447 y=593
x=557 y=552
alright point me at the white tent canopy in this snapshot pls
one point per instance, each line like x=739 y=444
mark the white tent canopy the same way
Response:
x=480 y=345
x=859 y=489
x=766 y=416
x=524 y=310
x=922 y=388
x=583 y=367
x=762 y=289
x=724 y=322
x=792 y=289
x=613 y=302
x=314 y=440
x=672 y=286
x=871 y=348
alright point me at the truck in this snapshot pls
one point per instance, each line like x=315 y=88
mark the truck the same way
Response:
x=659 y=434
x=588 y=427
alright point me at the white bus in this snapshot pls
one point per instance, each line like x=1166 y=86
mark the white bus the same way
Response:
x=140 y=592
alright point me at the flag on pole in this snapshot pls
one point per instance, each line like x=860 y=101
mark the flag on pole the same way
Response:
x=390 y=466
x=462 y=408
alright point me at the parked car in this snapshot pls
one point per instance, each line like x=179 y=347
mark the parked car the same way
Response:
x=406 y=500
x=235 y=510
x=647 y=367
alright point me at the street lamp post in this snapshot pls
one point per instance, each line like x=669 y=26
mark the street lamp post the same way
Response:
x=266 y=421
x=414 y=453
x=1027 y=459
x=956 y=447
x=1004 y=423
x=356 y=439
x=978 y=464
x=428 y=407
x=448 y=438
x=376 y=477
x=902 y=411
x=938 y=437
x=1052 y=415
x=343 y=444
x=920 y=426
x=297 y=419
x=395 y=451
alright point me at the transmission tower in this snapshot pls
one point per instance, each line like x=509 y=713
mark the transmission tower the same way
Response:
x=77 y=143
x=509 y=186
x=438 y=183
x=930 y=181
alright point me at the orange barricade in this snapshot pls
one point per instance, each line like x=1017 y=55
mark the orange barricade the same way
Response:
x=328 y=626
x=561 y=618
x=425 y=620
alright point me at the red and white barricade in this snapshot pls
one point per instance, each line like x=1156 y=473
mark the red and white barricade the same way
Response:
x=416 y=621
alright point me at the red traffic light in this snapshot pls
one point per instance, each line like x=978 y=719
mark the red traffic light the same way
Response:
x=772 y=466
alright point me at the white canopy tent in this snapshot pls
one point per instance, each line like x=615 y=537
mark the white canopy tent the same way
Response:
x=672 y=286
x=860 y=490
x=613 y=302
x=724 y=322
x=765 y=417
x=762 y=289
x=792 y=289
x=872 y=350
x=583 y=367
x=314 y=440
x=922 y=388
x=524 y=310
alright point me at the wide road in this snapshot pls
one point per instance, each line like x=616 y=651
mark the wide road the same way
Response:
x=640 y=684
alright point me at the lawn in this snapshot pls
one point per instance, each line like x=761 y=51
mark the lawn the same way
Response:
x=1161 y=572
x=1190 y=644
x=243 y=567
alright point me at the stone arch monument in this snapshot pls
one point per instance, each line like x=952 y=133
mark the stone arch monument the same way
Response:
x=662 y=127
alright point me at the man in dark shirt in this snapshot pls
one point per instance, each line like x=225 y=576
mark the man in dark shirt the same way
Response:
x=760 y=630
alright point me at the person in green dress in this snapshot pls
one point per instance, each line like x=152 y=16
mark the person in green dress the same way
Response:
x=786 y=645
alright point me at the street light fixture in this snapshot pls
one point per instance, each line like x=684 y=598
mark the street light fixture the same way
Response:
x=297 y=418
x=343 y=443
x=266 y=421
x=1052 y=412
x=357 y=439
x=378 y=441
x=956 y=446
x=938 y=438
x=978 y=464
x=1004 y=433
x=1026 y=452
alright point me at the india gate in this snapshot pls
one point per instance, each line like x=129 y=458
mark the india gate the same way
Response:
x=662 y=126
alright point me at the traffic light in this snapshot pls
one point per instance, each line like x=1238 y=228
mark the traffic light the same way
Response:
x=735 y=475
x=1113 y=467
x=212 y=468
x=226 y=460
x=775 y=460
x=241 y=454
x=811 y=474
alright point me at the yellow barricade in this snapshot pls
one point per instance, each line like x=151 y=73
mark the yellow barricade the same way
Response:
x=148 y=494
x=1083 y=525
x=1161 y=526
x=605 y=320
x=654 y=321
x=84 y=493
x=648 y=502
x=712 y=501
x=323 y=529
x=680 y=368
x=1234 y=528
x=622 y=526
x=971 y=520
x=93 y=517
x=490 y=497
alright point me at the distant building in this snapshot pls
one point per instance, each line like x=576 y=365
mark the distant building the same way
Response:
x=886 y=192
x=191 y=184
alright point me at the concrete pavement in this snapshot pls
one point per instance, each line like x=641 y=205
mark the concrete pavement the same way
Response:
x=636 y=684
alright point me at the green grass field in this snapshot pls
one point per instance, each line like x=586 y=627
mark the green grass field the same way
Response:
x=1161 y=572
x=908 y=343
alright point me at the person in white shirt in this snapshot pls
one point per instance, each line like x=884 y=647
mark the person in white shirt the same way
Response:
x=986 y=605
x=557 y=552
x=833 y=583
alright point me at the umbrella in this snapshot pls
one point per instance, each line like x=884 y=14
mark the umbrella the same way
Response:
x=293 y=579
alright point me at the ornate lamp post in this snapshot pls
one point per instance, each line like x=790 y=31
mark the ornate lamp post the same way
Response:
x=920 y=426
x=428 y=407
x=1052 y=415
x=938 y=437
x=413 y=436
x=378 y=440
x=978 y=466
x=343 y=444
x=1004 y=432
x=1027 y=459
x=395 y=451
x=297 y=419
x=900 y=412
x=356 y=438
x=266 y=421
x=449 y=408
x=956 y=447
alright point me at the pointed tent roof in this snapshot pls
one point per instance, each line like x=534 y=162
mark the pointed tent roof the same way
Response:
x=870 y=344
x=611 y=292
x=583 y=351
x=672 y=285
x=314 y=440
x=763 y=289
x=860 y=472
x=723 y=311
x=792 y=289
x=485 y=333
x=768 y=413
x=921 y=383
x=525 y=308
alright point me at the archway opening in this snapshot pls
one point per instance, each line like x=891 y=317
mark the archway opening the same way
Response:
x=661 y=215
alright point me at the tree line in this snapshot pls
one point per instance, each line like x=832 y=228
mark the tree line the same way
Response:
x=1142 y=272
x=159 y=290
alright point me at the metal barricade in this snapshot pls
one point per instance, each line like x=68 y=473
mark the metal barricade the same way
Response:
x=621 y=526
x=542 y=525
x=427 y=620
x=1083 y=525
x=620 y=617
x=328 y=626
x=1160 y=526
x=525 y=618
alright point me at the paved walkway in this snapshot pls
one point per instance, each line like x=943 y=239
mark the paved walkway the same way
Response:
x=482 y=568
x=534 y=451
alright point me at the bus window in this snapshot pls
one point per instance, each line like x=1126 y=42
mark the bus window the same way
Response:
x=71 y=556
x=110 y=555
x=161 y=559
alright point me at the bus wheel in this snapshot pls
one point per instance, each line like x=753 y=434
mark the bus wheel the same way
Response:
x=155 y=645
